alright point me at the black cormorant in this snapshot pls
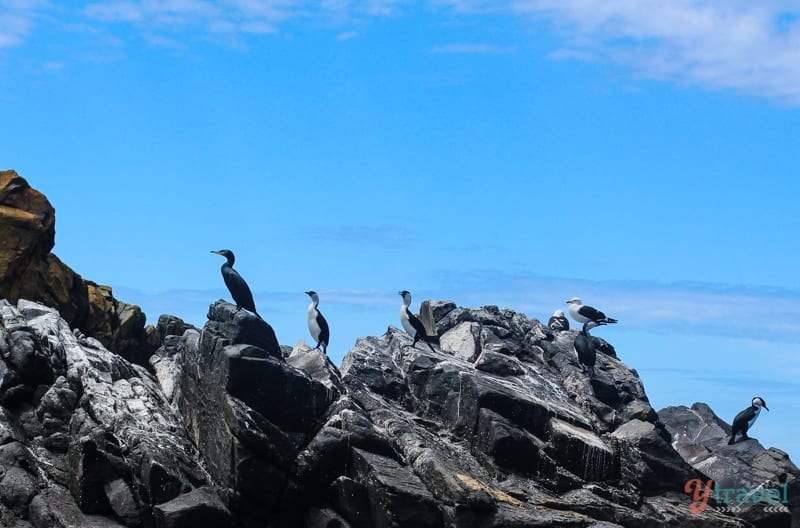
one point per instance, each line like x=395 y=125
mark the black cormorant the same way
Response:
x=584 y=346
x=236 y=285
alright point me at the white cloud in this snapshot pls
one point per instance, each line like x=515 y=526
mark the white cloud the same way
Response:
x=748 y=47
x=739 y=45
x=16 y=21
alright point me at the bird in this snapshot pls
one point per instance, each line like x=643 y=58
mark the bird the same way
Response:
x=558 y=321
x=584 y=346
x=236 y=285
x=410 y=322
x=746 y=418
x=317 y=324
x=583 y=314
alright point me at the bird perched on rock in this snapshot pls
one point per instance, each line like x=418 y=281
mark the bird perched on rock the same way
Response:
x=584 y=314
x=746 y=418
x=317 y=324
x=236 y=285
x=558 y=321
x=410 y=322
x=585 y=348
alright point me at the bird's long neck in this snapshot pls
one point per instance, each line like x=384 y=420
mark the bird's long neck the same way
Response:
x=313 y=306
x=585 y=329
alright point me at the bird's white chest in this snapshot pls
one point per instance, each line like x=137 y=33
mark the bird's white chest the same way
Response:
x=753 y=419
x=406 y=322
x=313 y=325
x=573 y=311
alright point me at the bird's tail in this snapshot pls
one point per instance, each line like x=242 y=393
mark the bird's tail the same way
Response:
x=430 y=345
x=733 y=435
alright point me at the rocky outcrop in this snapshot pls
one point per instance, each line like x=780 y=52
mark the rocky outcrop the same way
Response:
x=505 y=429
x=757 y=484
x=86 y=438
x=28 y=270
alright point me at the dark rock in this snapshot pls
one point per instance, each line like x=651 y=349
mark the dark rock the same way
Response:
x=352 y=499
x=397 y=497
x=318 y=366
x=54 y=508
x=439 y=309
x=510 y=447
x=241 y=327
x=647 y=460
x=17 y=488
x=499 y=364
x=122 y=502
x=701 y=438
x=324 y=518
x=200 y=508
x=94 y=460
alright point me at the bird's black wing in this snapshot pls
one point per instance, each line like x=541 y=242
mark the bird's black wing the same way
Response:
x=587 y=354
x=239 y=289
x=324 y=331
x=591 y=313
x=741 y=419
x=417 y=324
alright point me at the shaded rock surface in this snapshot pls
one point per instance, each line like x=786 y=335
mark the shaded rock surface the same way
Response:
x=28 y=270
x=235 y=430
x=701 y=438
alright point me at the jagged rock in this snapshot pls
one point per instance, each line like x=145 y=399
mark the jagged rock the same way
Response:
x=122 y=502
x=29 y=271
x=324 y=518
x=54 y=508
x=107 y=414
x=352 y=499
x=463 y=341
x=648 y=461
x=199 y=508
x=499 y=364
x=397 y=496
x=229 y=433
x=701 y=438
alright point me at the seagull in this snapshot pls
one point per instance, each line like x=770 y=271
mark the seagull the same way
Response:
x=585 y=314
x=558 y=321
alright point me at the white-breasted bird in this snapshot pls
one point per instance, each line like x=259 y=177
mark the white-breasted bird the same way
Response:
x=585 y=314
x=317 y=324
x=558 y=321
x=746 y=418
x=411 y=324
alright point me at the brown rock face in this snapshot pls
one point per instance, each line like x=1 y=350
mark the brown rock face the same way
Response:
x=29 y=271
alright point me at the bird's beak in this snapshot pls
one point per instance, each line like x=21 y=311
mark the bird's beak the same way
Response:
x=399 y=293
x=217 y=252
x=765 y=406
x=307 y=293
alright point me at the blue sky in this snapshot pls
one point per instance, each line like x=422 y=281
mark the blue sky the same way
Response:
x=639 y=155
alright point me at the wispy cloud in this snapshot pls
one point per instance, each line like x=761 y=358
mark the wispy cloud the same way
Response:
x=392 y=237
x=472 y=48
x=748 y=47
x=741 y=46
x=17 y=20
x=768 y=314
